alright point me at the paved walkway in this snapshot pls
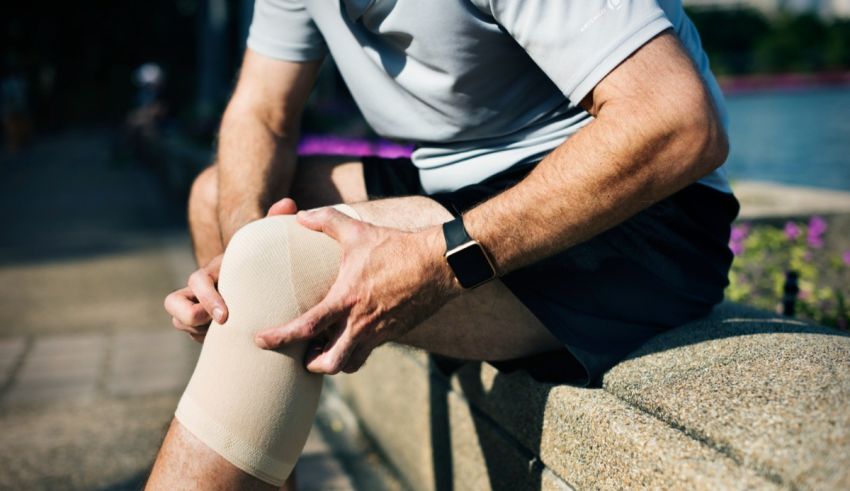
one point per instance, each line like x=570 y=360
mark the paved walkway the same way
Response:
x=90 y=370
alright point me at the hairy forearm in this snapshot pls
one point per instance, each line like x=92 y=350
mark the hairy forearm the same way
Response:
x=655 y=131
x=255 y=164
x=616 y=166
x=258 y=137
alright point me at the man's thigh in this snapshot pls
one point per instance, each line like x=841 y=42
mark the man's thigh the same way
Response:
x=488 y=323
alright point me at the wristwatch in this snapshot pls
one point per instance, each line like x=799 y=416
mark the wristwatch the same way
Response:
x=468 y=260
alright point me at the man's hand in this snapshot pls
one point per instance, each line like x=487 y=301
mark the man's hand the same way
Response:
x=193 y=307
x=388 y=282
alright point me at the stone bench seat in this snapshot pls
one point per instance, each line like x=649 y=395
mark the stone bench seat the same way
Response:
x=742 y=399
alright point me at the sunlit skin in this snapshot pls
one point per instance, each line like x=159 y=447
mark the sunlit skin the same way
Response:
x=655 y=131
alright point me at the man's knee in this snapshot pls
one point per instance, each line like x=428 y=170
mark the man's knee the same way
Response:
x=254 y=407
x=203 y=196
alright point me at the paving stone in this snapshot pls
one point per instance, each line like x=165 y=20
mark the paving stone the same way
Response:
x=318 y=469
x=315 y=444
x=322 y=472
x=84 y=391
x=102 y=265
x=59 y=367
x=146 y=362
x=11 y=350
x=78 y=345
x=171 y=377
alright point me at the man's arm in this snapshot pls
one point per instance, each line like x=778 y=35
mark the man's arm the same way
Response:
x=258 y=137
x=655 y=131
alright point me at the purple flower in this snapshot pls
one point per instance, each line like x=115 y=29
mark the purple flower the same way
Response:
x=792 y=231
x=817 y=226
x=845 y=257
x=740 y=232
x=817 y=223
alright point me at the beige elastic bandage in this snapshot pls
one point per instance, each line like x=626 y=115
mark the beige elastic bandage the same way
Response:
x=255 y=407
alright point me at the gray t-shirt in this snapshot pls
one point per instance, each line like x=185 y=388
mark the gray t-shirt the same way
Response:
x=478 y=85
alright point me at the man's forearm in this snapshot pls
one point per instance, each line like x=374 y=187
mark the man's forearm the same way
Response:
x=255 y=164
x=656 y=131
x=259 y=132
x=593 y=181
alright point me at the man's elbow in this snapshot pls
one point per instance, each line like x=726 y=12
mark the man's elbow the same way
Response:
x=704 y=141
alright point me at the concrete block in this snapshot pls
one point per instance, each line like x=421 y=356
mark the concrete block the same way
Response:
x=508 y=431
x=739 y=400
x=485 y=457
x=591 y=439
x=768 y=392
x=390 y=395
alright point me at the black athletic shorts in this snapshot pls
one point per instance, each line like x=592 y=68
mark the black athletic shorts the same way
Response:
x=603 y=298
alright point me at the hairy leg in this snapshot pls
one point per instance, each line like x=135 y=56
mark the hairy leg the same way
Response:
x=318 y=181
x=486 y=324
x=176 y=468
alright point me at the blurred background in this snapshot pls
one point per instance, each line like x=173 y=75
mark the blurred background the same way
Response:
x=109 y=109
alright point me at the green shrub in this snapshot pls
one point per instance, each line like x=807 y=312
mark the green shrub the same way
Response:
x=764 y=254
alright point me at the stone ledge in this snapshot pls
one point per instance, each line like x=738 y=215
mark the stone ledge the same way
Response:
x=741 y=399
x=767 y=199
x=770 y=393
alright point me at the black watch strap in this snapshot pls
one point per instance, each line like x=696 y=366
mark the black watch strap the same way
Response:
x=455 y=233
x=467 y=259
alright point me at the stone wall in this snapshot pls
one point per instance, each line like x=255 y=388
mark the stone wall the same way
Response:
x=741 y=399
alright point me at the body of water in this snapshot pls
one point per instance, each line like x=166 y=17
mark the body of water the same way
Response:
x=798 y=137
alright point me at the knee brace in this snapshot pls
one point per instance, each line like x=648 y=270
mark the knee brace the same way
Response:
x=251 y=406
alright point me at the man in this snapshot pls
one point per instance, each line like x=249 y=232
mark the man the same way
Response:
x=568 y=151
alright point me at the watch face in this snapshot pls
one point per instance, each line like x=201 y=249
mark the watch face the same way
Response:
x=470 y=265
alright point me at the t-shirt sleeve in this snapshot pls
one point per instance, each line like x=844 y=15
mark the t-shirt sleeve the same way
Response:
x=284 y=30
x=578 y=42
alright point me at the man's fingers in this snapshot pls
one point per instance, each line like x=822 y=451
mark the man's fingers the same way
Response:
x=181 y=305
x=187 y=328
x=335 y=224
x=335 y=356
x=308 y=326
x=202 y=284
x=286 y=206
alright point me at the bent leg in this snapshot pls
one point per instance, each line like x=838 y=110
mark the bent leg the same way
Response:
x=250 y=409
x=488 y=323
x=246 y=411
